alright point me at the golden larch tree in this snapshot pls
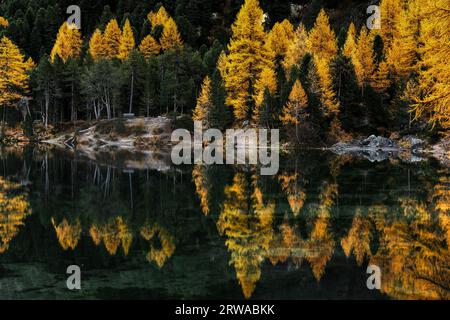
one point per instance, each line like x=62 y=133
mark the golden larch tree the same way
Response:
x=433 y=99
x=14 y=73
x=322 y=44
x=381 y=79
x=280 y=37
x=267 y=81
x=296 y=49
x=127 y=41
x=149 y=47
x=350 y=43
x=204 y=103
x=97 y=48
x=112 y=37
x=294 y=111
x=68 y=43
x=390 y=15
x=170 y=38
x=364 y=58
x=322 y=41
x=247 y=58
x=403 y=55
x=14 y=209
x=158 y=18
x=3 y=22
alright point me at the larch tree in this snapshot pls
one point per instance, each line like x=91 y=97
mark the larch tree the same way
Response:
x=247 y=58
x=204 y=103
x=294 y=112
x=3 y=22
x=14 y=74
x=149 y=47
x=68 y=43
x=432 y=101
x=267 y=82
x=390 y=13
x=127 y=41
x=296 y=49
x=97 y=48
x=350 y=43
x=112 y=37
x=381 y=79
x=170 y=38
x=364 y=59
x=158 y=18
x=322 y=44
x=403 y=54
x=280 y=37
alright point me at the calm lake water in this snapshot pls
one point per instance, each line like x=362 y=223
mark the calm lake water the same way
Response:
x=222 y=232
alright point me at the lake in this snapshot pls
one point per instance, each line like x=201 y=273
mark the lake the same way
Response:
x=222 y=232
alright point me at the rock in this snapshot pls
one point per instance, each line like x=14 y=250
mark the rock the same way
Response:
x=373 y=148
x=374 y=142
x=411 y=142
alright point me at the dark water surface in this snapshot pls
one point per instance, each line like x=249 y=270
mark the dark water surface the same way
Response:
x=223 y=232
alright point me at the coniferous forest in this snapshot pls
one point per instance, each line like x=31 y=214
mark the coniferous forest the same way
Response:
x=310 y=67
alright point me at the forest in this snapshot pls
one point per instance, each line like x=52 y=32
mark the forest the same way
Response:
x=312 y=68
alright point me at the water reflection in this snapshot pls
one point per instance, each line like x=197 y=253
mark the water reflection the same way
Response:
x=235 y=224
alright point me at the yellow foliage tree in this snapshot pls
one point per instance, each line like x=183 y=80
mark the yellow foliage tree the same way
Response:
x=158 y=255
x=170 y=38
x=158 y=18
x=381 y=79
x=267 y=80
x=296 y=49
x=68 y=234
x=14 y=209
x=322 y=44
x=390 y=14
x=247 y=223
x=68 y=43
x=127 y=41
x=247 y=58
x=112 y=38
x=3 y=22
x=14 y=73
x=296 y=196
x=350 y=43
x=322 y=41
x=199 y=175
x=358 y=239
x=204 y=103
x=280 y=37
x=433 y=100
x=97 y=48
x=364 y=58
x=149 y=47
x=402 y=56
x=294 y=111
x=113 y=233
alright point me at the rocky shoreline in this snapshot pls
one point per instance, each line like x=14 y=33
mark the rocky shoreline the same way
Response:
x=408 y=149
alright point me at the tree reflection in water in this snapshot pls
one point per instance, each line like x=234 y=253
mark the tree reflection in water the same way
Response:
x=306 y=217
